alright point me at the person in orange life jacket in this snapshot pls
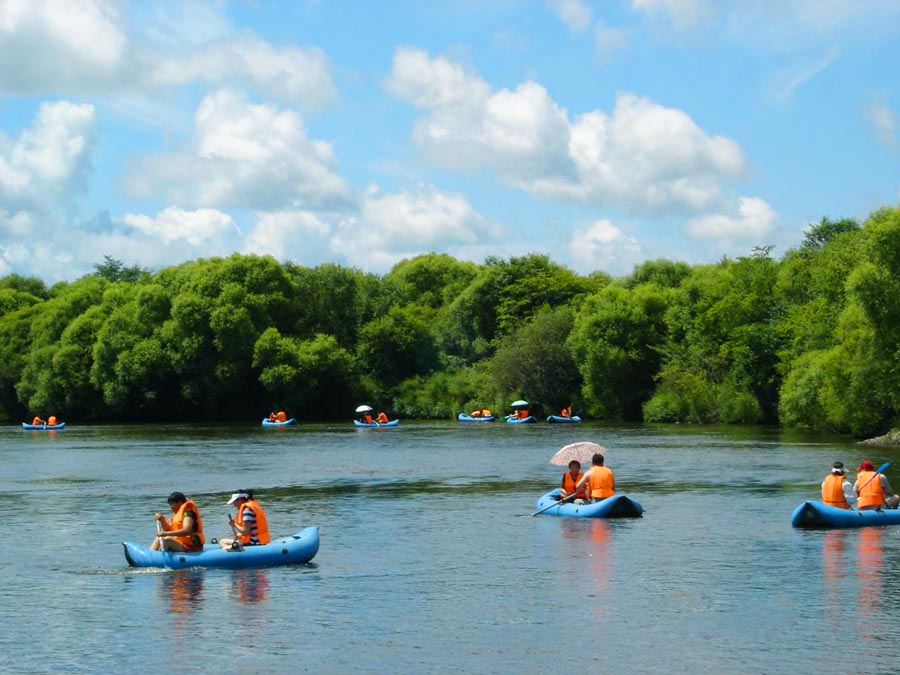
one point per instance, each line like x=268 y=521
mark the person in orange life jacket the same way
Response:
x=566 y=412
x=37 y=421
x=51 y=421
x=382 y=418
x=251 y=524
x=520 y=414
x=837 y=490
x=367 y=418
x=475 y=413
x=272 y=417
x=184 y=532
x=570 y=480
x=599 y=480
x=873 y=492
x=281 y=416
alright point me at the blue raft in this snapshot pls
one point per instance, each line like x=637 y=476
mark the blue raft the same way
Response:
x=816 y=515
x=294 y=550
x=392 y=423
x=527 y=420
x=617 y=506
x=43 y=427
x=462 y=417
x=559 y=419
x=267 y=423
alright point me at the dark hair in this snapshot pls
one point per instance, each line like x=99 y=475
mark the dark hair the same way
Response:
x=247 y=492
x=176 y=497
x=597 y=459
x=576 y=462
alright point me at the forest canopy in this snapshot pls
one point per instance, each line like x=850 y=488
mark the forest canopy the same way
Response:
x=811 y=339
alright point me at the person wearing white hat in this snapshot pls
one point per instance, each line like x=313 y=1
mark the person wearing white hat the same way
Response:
x=837 y=490
x=251 y=528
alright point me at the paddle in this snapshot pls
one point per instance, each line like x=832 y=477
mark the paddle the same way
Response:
x=879 y=470
x=561 y=501
x=162 y=545
x=236 y=544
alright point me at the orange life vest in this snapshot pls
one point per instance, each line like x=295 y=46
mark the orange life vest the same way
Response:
x=382 y=418
x=872 y=494
x=281 y=417
x=486 y=412
x=600 y=482
x=475 y=413
x=521 y=414
x=51 y=421
x=36 y=421
x=194 y=540
x=566 y=412
x=367 y=418
x=567 y=485
x=833 y=491
x=262 y=525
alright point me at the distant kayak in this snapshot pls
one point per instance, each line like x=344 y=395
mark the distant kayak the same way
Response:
x=617 y=506
x=294 y=550
x=268 y=423
x=462 y=417
x=392 y=423
x=559 y=419
x=527 y=420
x=816 y=515
x=43 y=427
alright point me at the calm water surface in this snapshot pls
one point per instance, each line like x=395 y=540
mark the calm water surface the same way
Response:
x=429 y=560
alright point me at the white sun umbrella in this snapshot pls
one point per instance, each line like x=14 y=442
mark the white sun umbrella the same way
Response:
x=583 y=451
x=518 y=404
x=364 y=408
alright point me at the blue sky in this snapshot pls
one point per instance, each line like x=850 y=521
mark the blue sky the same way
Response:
x=602 y=133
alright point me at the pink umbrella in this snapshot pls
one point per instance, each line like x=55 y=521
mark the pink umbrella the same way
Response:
x=583 y=451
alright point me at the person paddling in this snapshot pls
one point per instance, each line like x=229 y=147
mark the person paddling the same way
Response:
x=251 y=526
x=569 y=481
x=837 y=490
x=184 y=532
x=873 y=490
x=37 y=421
x=599 y=480
x=382 y=418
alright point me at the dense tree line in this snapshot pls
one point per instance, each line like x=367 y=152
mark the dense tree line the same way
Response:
x=812 y=339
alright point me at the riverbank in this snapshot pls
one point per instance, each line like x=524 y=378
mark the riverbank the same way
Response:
x=890 y=439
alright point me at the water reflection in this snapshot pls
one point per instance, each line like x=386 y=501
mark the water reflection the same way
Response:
x=182 y=590
x=250 y=585
x=591 y=537
x=870 y=560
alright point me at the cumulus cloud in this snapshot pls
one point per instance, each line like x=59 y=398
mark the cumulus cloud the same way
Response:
x=393 y=226
x=574 y=13
x=753 y=221
x=294 y=235
x=244 y=155
x=604 y=246
x=641 y=156
x=883 y=122
x=195 y=227
x=62 y=46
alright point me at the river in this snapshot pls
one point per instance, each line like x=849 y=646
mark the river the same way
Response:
x=430 y=561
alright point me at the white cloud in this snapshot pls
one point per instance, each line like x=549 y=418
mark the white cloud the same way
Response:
x=574 y=13
x=683 y=14
x=643 y=156
x=294 y=235
x=609 y=41
x=754 y=220
x=67 y=47
x=299 y=75
x=789 y=80
x=393 y=226
x=246 y=156
x=195 y=227
x=604 y=246
x=884 y=123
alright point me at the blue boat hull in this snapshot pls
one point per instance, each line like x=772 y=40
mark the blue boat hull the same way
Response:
x=392 y=423
x=294 y=550
x=43 y=427
x=462 y=417
x=557 y=419
x=617 y=506
x=816 y=515
x=267 y=423
x=528 y=420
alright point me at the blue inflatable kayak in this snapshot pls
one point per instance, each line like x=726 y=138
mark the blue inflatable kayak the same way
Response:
x=559 y=419
x=392 y=423
x=43 y=427
x=816 y=515
x=617 y=506
x=267 y=423
x=462 y=417
x=527 y=420
x=294 y=550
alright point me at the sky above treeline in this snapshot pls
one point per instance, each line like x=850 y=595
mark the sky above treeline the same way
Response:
x=602 y=133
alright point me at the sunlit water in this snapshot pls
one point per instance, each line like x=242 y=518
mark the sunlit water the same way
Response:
x=430 y=561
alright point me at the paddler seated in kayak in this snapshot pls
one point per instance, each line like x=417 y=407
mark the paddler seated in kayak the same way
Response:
x=598 y=480
x=836 y=489
x=475 y=413
x=184 y=532
x=37 y=421
x=569 y=481
x=272 y=417
x=873 y=489
x=251 y=527
x=367 y=418
x=520 y=414
x=382 y=418
x=281 y=416
x=51 y=421
x=566 y=412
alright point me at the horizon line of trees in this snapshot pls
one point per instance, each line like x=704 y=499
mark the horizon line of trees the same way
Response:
x=810 y=340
